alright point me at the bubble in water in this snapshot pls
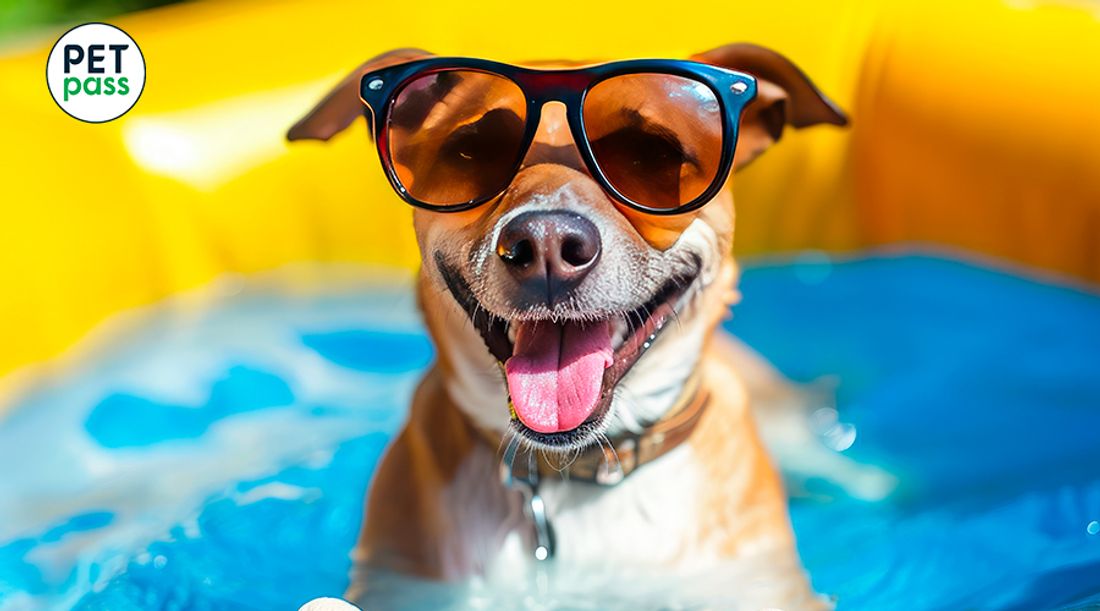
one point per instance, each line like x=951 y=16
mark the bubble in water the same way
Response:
x=836 y=435
x=840 y=436
x=1093 y=527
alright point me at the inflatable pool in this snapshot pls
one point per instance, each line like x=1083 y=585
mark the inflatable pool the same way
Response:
x=215 y=453
x=209 y=337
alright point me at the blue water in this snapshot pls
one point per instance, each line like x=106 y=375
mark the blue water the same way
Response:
x=214 y=451
x=981 y=392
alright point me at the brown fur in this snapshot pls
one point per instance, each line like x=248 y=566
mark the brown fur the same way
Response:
x=437 y=507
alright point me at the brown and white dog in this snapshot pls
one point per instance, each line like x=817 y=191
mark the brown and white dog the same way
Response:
x=668 y=472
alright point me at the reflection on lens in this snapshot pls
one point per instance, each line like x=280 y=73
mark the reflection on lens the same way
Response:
x=455 y=136
x=657 y=137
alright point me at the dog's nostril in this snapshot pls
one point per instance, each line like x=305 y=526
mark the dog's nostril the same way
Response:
x=520 y=253
x=548 y=252
x=578 y=252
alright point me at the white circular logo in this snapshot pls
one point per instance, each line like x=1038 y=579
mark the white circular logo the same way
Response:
x=95 y=72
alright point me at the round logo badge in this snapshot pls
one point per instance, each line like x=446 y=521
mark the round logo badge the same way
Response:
x=95 y=72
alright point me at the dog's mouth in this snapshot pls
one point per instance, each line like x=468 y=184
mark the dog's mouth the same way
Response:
x=562 y=373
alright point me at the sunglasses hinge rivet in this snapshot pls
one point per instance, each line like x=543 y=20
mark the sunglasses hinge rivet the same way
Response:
x=375 y=85
x=739 y=88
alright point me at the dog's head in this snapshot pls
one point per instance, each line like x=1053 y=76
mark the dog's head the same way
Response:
x=589 y=315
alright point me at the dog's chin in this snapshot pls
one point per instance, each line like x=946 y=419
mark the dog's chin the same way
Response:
x=633 y=332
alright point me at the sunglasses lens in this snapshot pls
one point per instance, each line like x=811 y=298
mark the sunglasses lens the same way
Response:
x=455 y=136
x=656 y=137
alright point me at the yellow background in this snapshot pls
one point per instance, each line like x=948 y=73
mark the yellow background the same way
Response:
x=975 y=125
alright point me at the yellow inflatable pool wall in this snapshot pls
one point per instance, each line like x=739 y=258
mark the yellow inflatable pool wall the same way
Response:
x=975 y=125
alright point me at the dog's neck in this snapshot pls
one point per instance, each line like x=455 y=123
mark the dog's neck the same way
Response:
x=604 y=464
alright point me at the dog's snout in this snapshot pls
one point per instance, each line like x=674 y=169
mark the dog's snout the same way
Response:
x=549 y=252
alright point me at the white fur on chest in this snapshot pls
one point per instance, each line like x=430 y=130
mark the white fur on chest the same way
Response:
x=648 y=520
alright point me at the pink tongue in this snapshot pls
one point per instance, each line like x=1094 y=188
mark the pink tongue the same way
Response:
x=555 y=372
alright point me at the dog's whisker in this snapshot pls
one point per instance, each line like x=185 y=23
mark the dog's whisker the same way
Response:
x=626 y=414
x=506 y=439
x=561 y=461
x=676 y=320
x=633 y=315
x=611 y=469
x=551 y=459
x=508 y=459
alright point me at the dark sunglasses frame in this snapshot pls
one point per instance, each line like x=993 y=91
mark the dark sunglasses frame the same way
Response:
x=379 y=90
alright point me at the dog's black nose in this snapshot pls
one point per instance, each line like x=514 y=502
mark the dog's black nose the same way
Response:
x=549 y=252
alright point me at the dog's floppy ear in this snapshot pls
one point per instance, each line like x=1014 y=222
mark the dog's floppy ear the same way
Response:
x=784 y=95
x=341 y=106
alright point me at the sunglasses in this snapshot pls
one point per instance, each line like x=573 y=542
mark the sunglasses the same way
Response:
x=657 y=135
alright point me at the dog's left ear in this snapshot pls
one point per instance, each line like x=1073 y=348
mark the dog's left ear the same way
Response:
x=341 y=106
x=784 y=96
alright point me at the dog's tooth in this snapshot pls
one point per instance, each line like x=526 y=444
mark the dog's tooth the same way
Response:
x=512 y=332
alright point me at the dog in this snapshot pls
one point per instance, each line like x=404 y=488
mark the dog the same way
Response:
x=667 y=472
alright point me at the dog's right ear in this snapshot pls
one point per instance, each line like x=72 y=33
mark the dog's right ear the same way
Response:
x=784 y=96
x=341 y=106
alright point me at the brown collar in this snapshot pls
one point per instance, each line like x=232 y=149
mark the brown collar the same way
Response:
x=596 y=464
